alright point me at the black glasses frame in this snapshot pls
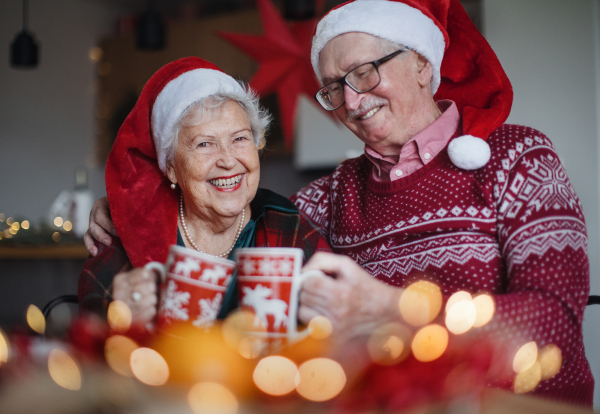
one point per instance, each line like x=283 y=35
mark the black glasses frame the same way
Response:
x=342 y=81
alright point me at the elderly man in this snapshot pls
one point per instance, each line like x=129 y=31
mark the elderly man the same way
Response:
x=444 y=191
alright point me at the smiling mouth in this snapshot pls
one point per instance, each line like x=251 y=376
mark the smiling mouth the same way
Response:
x=370 y=113
x=227 y=182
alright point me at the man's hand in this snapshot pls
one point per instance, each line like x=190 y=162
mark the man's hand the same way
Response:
x=138 y=289
x=354 y=302
x=100 y=226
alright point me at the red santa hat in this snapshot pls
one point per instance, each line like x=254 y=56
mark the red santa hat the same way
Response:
x=465 y=68
x=142 y=203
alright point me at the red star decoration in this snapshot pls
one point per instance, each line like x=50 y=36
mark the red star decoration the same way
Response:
x=284 y=56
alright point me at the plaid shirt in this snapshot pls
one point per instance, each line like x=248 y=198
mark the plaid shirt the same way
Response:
x=278 y=224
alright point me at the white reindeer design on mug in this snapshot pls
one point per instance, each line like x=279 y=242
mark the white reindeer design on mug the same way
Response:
x=213 y=275
x=186 y=267
x=257 y=299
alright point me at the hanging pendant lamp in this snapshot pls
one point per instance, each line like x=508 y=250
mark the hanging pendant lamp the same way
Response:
x=24 y=49
x=151 y=29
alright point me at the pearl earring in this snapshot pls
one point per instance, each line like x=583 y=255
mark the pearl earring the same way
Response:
x=173 y=186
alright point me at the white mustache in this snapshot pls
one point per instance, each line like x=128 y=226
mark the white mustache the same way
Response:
x=365 y=106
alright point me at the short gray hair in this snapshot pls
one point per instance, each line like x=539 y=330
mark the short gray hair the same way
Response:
x=258 y=116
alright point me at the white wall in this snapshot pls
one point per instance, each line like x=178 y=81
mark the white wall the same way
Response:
x=549 y=51
x=47 y=114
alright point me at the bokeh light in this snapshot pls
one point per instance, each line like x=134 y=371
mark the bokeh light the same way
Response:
x=320 y=327
x=12 y=231
x=1 y=217
x=95 y=53
x=420 y=303
x=16 y=225
x=149 y=366
x=10 y=221
x=529 y=379
x=525 y=357
x=251 y=347
x=67 y=225
x=320 y=379
x=461 y=316
x=64 y=370
x=25 y=224
x=550 y=359
x=58 y=221
x=457 y=297
x=212 y=398
x=430 y=343
x=4 y=349
x=35 y=319
x=275 y=375
x=237 y=326
x=485 y=308
x=117 y=351
x=56 y=236
x=389 y=344
x=119 y=316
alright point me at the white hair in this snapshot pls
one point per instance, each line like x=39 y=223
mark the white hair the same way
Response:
x=210 y=106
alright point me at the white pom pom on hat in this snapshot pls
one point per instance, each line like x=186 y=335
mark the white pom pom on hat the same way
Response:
x=464 y=65
x=469 y=152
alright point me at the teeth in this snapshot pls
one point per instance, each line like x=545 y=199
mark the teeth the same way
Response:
x=226 y=182
x=370 y=113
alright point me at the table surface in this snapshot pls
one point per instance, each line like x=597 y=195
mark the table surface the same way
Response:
x=52 y=252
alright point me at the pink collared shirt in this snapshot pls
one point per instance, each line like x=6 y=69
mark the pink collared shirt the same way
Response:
x=421 y=149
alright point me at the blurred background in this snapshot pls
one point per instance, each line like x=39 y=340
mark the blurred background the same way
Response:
x=59 y=116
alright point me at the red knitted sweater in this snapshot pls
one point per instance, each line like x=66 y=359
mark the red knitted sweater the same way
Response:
x=514 y=228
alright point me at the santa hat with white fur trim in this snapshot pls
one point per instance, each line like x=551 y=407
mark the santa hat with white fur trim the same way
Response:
x=465 y=68
x=143 y=206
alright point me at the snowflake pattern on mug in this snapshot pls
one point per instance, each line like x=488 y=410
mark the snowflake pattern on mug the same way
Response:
x=208 y=311
x=173 y=302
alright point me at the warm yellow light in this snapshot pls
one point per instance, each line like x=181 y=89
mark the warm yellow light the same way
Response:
x=550 y=359
x=485 y=307
x=10 y=221
x=25 y=224
x=149 y=366
x=236 y=327
x=117 y=351
x=420 y=303
x=250 y=347
x=528 y=379
x=119 y=316
x=12 y=231
x=3 y=348
x=7 y=234
x=67 y=225
x=64 y=370
x=320 y=379
x=56 y=236
x=212 y=398
x=35 y=319
x=320 y=327
x=58 y=221
x=95 y=54
x=461 y=317
x=430 y=343
x=1 y=235
x=275 y=375
x=389 y=344
x=1 y=217
x=525 y=357
x=16 y=225
x=457 y=297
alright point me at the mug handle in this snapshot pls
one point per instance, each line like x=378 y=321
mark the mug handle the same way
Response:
x=159 y=267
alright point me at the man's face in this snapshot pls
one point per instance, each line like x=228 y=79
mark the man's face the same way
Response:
x=389 y=115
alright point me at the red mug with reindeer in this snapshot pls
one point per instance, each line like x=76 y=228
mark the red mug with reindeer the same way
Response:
x=269 y=281
x=193 y=287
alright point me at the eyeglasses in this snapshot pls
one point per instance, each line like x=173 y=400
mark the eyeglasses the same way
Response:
x=361 y=79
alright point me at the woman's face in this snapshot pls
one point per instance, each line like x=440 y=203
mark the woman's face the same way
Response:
x=216 y=163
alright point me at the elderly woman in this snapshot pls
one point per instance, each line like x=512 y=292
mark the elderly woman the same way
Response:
x=185 y=170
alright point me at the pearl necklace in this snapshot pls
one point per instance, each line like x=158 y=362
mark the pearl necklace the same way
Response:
x=190 y=241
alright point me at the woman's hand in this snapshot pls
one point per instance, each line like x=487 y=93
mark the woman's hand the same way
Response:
x=354 y=301
x=100 y=226
x=138 y=289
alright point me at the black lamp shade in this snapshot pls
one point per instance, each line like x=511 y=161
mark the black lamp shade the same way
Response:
x=150 y=31
x=24 y=51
